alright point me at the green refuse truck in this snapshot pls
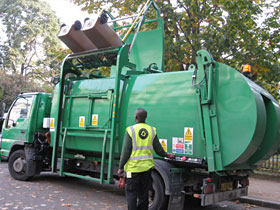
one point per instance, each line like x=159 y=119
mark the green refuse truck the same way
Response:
x=218 y=123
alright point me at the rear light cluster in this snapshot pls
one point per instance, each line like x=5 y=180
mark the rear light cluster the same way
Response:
x=244 y=182
x=208 y=186
x=189 y=160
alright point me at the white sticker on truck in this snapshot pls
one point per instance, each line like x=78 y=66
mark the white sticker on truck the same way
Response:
x=178 y=145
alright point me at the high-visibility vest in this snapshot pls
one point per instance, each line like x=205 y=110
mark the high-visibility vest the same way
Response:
x=246 y=68
x=141 y=158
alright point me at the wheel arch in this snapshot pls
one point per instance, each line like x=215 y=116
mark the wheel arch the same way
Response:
x=163 y=169
x=16 y=146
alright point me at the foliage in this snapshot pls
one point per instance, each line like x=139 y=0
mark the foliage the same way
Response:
x=31 y=46
x=235 y=32
x=13 y=84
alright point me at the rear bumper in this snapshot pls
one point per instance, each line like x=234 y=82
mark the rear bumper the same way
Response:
x=208 y=199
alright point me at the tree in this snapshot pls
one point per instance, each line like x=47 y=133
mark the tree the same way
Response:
x=13 y=84
x=235 y=32
x=31 y=47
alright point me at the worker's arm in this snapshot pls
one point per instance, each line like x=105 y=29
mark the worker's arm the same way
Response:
x=159 y=150
x=126 y=150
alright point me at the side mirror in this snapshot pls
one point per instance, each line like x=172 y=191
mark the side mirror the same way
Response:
x=13 y=124
x=23 y=113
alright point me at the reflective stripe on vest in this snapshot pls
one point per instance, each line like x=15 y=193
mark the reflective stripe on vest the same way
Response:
x=141 y=157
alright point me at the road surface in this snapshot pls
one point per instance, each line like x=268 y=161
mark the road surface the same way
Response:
x=50 y=191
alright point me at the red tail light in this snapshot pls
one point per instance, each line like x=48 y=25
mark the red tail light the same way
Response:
x=244 y=182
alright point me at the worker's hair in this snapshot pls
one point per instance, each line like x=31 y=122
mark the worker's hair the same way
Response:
x=141 y=114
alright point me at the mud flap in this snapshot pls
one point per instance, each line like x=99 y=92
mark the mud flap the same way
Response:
x=176 y=198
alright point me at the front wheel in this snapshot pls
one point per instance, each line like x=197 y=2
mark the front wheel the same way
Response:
x=157 y=198
x=18 y=166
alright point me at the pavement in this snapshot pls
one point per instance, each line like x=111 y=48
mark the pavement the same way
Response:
x=50 y=191
x=263 y=191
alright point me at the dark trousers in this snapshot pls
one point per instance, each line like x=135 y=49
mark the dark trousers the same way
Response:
x=137 y=190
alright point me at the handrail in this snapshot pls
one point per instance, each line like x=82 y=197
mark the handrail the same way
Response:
x=103 y=158
x=62 y=153
x=136 y=19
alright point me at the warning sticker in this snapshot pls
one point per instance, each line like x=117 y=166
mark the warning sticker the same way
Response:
x=188 y=138
x=178 y=145
x=189 y=148
x=188 y=134
x=82 y=121
x=52 y=124
x=94 y=119
x=163 y=143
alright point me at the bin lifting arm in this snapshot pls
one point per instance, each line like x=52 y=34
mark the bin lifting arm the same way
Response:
x=205 y=72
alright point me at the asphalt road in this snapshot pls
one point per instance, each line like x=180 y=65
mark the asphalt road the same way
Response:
x=50 y=191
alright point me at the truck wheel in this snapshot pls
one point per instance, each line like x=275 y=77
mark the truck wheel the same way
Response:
x=157 y=199
x=18 y=166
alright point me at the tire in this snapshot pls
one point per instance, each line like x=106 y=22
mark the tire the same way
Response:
x=157 y=198
x=18 y=166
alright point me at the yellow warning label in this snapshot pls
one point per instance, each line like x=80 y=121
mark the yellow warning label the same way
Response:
x=52 y=123
x=163 y=143
x=188 y=136
x=82 y=121
x=94 y=119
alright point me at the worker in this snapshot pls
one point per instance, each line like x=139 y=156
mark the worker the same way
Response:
x=137 y=160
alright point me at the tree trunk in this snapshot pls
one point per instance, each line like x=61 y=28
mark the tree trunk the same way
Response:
x=22 y=69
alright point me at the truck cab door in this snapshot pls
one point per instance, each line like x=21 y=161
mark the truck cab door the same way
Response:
x=16 y=123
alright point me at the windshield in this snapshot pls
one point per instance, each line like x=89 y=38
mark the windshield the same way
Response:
x=20 y=110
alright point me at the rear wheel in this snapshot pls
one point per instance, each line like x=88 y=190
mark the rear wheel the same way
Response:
x=18 y=166
x=157 y=198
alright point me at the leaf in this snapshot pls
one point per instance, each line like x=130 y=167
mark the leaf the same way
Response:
x=66 y=204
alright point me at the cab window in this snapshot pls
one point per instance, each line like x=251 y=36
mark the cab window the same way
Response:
x=20 y=110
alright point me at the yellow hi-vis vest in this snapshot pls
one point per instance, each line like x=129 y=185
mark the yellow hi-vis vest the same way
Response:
x=141 y=158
